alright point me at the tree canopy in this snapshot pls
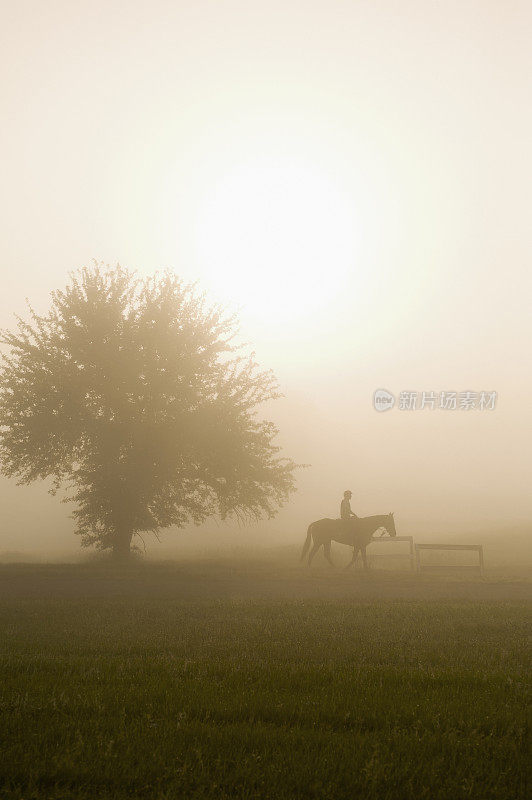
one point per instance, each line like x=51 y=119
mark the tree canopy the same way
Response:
x=132 y=395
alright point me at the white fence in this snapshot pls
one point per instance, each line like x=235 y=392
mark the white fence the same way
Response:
x=465 y=567
x=387 y=540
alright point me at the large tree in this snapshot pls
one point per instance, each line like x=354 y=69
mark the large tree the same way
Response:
x=131 y=394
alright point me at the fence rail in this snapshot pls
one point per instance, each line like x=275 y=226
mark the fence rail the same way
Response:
x=384 y=539
x=462 y=567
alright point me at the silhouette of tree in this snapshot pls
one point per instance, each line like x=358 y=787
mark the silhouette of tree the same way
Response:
x=130 y=394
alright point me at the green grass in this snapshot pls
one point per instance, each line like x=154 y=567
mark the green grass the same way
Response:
x=115 y=698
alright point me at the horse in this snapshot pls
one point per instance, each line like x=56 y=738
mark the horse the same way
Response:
x=325 y=531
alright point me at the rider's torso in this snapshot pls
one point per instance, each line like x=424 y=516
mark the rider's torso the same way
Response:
x=345 y=509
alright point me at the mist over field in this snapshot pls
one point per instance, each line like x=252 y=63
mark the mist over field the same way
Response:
x=265 y=269
x=444 y=474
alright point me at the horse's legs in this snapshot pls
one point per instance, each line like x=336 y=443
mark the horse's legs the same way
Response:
x=364 y=558
x=313 y=552
x=327 y=552
x=355 y=553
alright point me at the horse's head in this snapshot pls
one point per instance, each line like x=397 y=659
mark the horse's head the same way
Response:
x=390 y=524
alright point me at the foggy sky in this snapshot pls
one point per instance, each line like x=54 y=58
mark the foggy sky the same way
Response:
x=122 y=121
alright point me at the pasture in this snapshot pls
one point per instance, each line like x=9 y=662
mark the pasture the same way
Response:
x=217 y=681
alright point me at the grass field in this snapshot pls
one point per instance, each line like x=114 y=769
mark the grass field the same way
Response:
x=141 y=696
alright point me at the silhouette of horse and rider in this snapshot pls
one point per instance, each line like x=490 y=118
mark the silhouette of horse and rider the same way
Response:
x=356 y=532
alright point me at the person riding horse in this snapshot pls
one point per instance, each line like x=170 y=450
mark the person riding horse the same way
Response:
x=356 y=534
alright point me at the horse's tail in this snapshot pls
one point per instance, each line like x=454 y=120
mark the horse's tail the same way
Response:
x=307 y=541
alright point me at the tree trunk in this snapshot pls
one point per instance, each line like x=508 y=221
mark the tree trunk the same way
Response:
x=122 y=545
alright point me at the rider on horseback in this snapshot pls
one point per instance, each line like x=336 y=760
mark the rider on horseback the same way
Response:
x=346 y=514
